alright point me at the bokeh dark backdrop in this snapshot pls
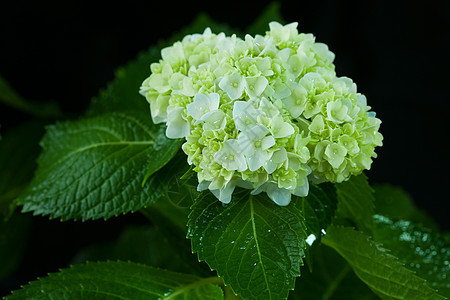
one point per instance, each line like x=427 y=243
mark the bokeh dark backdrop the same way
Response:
x=397 y=53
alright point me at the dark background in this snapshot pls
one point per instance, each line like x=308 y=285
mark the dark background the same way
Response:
x=396 y=52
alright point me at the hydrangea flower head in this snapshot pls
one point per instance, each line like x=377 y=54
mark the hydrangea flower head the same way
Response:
x=266 y=113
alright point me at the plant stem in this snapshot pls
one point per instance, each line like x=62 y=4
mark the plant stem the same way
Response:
x=209 y=280
x=335 y=283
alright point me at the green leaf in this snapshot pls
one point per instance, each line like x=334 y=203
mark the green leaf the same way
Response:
x=123 y=93
x=318 y=207
x=331 y=279
x=13 y=241
x=394 y=202
x=172 y=195
x=261 y=24
x=422 y=250
x=374 y=265
x=254 y=244
x=11 y=98
x=143 y=244
x=356 y=202
x=19 y=149
x=120 y=280
x=94 y=168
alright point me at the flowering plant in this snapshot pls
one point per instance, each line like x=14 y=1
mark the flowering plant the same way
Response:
x=266 y=113
x=255 y=150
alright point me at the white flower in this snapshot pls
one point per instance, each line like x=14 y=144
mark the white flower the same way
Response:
x=335 y=154
x=181 y=84
x=278 y=195
x=233 y=85
x=158 y=107
x=214 y=120
x=267 y=107
x=224 y=194
x=264 y=65
x=302 y=190
x=278 y=157
x=255 y=145
x=177 y=126
x=202 y=105
x=255 y=86
x=245 y=115
x=337 y=112
x=322 y=50
x=295 y=103
x=295 y=65
x=282 y=33
x=174 y=55
x=266 y=113
x=279 y=128
x=231 y=157
x=281 y=90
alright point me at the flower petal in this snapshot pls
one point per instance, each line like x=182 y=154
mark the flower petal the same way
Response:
x=280 y=129
x=255 y=86
x=335 y=154
x=231 y=157
x=177 y=127
x=245 y=115
x=267 y=142
x=233 y=85
x=258 y=159
x=302 y=190
x=213 y=120
x=278 y=195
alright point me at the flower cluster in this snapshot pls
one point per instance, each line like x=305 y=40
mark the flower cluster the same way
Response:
x=267 y=113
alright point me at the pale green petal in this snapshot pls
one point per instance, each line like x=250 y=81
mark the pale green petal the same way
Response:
x=255 y=86
x=224 y=194
x=203 y=185
x=295 y=65
x=278 y=195
x=231 y=157
x=296 y=102
x=214 y=120
x=349 y=143
x=270 y=166
x=279 y=156
x=233 y=85
x=203 y=104
x=317 y=125
x=281 y=90
x=174 y=55
x=302 y=190
x=335 y=154
x=268 y=108
x=245 y=115
x=158 y=108
x=159 y=83
x=323 y=52
x=267 y=142
x=279 y=128
x=264 y=65
x=258 y=159
x=336 y=111
x=177 y=126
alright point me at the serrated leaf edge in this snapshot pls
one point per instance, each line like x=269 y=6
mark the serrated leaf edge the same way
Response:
x=388 y=253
